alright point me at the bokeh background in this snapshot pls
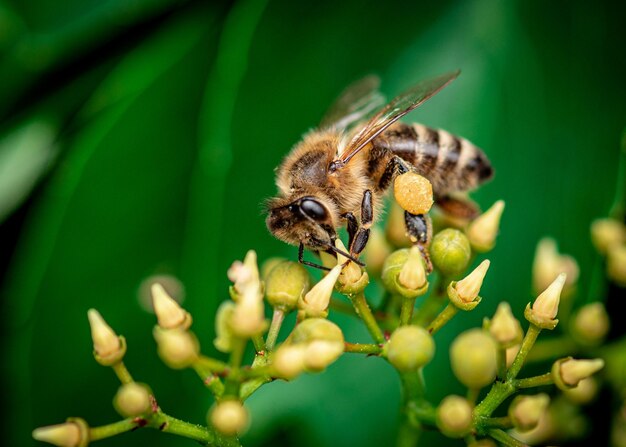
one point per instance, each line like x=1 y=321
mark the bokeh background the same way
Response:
x=139 y=138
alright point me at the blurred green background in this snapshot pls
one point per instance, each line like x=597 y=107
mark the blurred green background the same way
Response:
x=139 y=138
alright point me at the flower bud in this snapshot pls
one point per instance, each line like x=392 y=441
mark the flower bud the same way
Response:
x=405 y=262
x=464 y=293
x=616 y=264
x=321 y=353
x=450 y=251
x=288 y=361
x=224 y=334
x=169 y=313
x=549 y=263
x=132 y=399
x=546 y=306
x=177 y=348
x=229 y=417
x=568 y=372
x=286 y=284
x=473 y=358
x=584 y=392
x=352 y=279
x=313 y=329
x=315 y=302
x=376 y=251
x=395 y=229
x=269 y=264
x=413 y=192
x=73 y=433
x=483 y=230
x=504 y=327
x=606 y=233
x=245 y=276
x=409 y=348
x=454 y=416
x=526 y=411
x=108 y=347
x=591 y=324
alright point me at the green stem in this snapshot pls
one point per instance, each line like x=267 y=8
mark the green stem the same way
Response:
x=444 y=316
x=272 y=335
x=365 y=313
x=406 y=310
x=363 y=348
x=122 y=373
x=432 y=305
x=116 y=428
x=504 y=438
x=500 y=422
x=209 y=378
x=259 y=344
x=472 y=394
x=233 y=380
x=501 y=363
x=529 y=340
x=497 y=394
x=530 y=382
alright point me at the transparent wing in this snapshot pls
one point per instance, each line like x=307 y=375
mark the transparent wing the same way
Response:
x=392 y=112
x=358 y=101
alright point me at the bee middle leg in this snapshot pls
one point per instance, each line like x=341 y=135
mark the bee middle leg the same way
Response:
x=420 y=229
x=359 y=234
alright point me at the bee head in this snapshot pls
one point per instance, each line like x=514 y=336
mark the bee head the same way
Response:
x=306 y=220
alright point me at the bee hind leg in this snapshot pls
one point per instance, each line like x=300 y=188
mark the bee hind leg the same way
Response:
x=419 y=228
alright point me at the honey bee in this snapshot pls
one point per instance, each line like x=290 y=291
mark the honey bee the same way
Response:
x=342 y=169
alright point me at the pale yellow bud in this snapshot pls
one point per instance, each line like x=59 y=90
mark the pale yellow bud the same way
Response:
x=410 y=348
x=224 y=334
x=468 y=287
x=177 y=348
x=572 y=371
x=591 y=323
x=288 y=361
x=504 y=327
x=321 y=353
x=483 y=230
x=248 y=317
x=376 y=251
x=169 y=313
x=511 y=353
x=108 y=346
x=606 y=233
x=473 y=358
x=413 y=275
x=68 y=434
x=245 y=274
x=132 y=399
x=526 y=411
x=351 y=272
x=616 y=264
x=454 y=416
x=549 y=263
x=286 y=284
x=313 y=329
x=413 y=192
x=229 y=417
x=269 y=265
x=584 y=392
x=315 y=302
x=543 y=431
x=546 y=306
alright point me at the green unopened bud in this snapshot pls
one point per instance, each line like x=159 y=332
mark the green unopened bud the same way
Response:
x=483 y=230
x=376 y=251
x=315 y=303
x=591 y=324
x=132 y=399
x=109 y=348
x=616 y=264
x=313 y=329
x=584 y=392
x=224 y=335
x=413 y=192
x=504 y=327
x=405 y=262
x=229 y=417
x=546 y=306
x=288 y=361
x=169 y=313
x=286 y=284
x=268 y=265
x=607 y=233
x=450 y=251
x=321 y=353
x=568 y=372
x=353 y=279
x=409 y=348
x=177 y=348
x=454 y=416
x=464 y=293
x=73 y=433
x=473 y=358
x=526 y=411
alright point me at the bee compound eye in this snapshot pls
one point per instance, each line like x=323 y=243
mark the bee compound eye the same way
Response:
x=313 y=209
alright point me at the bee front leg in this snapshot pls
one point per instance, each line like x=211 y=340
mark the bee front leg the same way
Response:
x=419 y=228
x=358 y=243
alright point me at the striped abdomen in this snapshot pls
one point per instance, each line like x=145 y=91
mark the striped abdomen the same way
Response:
x=451 y=163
